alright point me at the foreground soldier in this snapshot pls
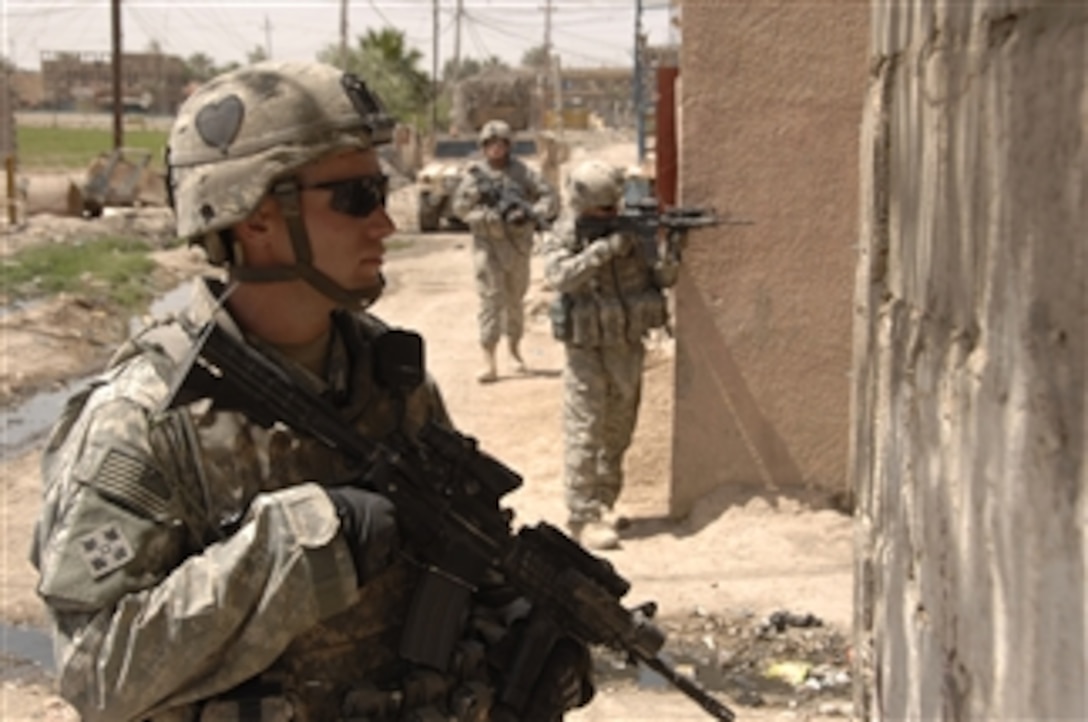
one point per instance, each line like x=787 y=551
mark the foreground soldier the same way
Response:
x=502 y=238
x=610 y=297
x=199 y=566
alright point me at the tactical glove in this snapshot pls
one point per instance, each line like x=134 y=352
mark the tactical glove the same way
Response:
x=368 y=524
x=612 y=246
x=518 y=215
x=564 y=684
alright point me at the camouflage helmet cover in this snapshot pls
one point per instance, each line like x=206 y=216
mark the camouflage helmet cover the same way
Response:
x=595 y=184
x=242 y=130
x=495 y=130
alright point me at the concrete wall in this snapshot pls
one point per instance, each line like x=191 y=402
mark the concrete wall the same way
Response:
x=970 y=363
x=771 y=100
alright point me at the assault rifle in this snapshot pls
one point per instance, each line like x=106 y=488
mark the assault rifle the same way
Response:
x=447 y=495
x=506 y=198
x=644 y=220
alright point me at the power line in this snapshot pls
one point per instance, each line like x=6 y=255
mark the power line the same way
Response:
x=506 y=32
x=471 y=29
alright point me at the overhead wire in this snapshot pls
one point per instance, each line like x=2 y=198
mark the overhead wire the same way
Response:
x=470 y=29
x=532 y=42
x=490 y=26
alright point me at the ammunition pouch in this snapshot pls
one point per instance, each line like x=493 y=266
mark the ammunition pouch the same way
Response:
x=560 y=314
x=592 y=321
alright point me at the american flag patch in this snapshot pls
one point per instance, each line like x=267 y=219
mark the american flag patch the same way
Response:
x=105 y=549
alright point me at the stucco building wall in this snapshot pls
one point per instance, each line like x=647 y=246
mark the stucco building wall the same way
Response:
x=771 y=101
x=970 y=363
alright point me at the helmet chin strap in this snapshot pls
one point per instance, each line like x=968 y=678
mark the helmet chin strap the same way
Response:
x=287 y=195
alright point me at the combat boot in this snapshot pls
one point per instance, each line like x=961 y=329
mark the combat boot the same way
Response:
x=489 y=373
x=515 y=352
x=598 y=535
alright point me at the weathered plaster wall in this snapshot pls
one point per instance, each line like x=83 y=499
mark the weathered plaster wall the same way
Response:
x=970 y=363
x=771 y=102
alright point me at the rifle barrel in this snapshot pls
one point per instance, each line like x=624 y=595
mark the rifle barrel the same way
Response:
x=692 y=689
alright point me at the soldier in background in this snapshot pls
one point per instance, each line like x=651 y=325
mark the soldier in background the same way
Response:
x=610 y=296
x=198 y=565
x=504 y=202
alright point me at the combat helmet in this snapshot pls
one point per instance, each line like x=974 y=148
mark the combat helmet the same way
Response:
x=495 y=130
x=244 y=133
x=595 y=184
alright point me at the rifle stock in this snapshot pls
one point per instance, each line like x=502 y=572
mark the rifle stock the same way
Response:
x=447 y=494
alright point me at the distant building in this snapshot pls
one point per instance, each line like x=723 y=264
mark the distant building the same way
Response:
x=605 y=92
x=150 y=82
x=27 y=89
x=609 y=92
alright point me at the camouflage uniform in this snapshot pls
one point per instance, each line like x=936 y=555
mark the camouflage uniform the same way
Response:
x=609 y=299
x=192 y=528
x=501 y=251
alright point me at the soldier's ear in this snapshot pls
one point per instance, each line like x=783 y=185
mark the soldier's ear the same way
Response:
x=257 y=230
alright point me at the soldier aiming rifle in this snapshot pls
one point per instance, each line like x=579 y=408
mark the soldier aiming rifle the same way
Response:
x=606 y=264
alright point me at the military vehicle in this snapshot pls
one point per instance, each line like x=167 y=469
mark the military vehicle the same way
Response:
x=495 y=94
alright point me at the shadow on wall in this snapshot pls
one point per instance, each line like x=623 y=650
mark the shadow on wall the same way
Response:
x=722 y=435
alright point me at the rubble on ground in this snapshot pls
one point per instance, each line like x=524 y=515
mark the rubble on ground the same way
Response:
x=785 y=659
x=153 y=224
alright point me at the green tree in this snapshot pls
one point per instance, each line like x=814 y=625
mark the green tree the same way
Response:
x=536 y=57
x=465 y=69
x=390 y=67
x=199 y=67
x=256 y=55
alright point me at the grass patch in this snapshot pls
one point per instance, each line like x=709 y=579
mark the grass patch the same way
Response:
x=117 y=269
x=75 y=148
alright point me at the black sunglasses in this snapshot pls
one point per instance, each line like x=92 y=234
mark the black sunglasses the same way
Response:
x=359 y=196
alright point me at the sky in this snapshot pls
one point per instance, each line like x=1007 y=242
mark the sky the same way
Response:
x=585 y=33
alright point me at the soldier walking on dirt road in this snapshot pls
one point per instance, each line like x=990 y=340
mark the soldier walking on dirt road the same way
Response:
x=504 y=202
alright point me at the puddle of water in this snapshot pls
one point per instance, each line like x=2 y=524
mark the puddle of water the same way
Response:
x=28 y=423
x=27 y=644
x=17 y=306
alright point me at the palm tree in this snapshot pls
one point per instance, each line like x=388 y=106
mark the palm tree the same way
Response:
x=384 y=60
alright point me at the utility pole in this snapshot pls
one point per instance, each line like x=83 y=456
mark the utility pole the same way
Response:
x=343 y=34
x=434 y=71
x=548 y=30
x=640 y=120
x=457 y=40
x=118 y=107
x=552 y=67
x=267 y=37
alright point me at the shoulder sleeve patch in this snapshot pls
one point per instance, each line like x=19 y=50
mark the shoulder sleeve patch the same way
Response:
x=104 y=550
x=134 y=482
